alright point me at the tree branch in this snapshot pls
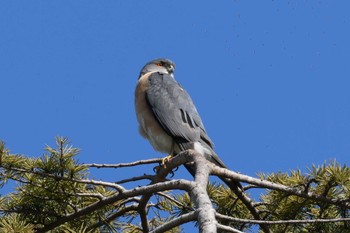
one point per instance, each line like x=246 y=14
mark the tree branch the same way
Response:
x=136 y=178
x=175 y=184
x=83 y=181
x=228 y=229
x=176 y=222
x=162 y=172
x=279 y=187
x=249 y=203
x=308 y=221
x=206 y=213
x=119 y=165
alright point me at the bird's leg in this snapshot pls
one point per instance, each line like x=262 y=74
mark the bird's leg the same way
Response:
x=163 y=163
x=166 y=159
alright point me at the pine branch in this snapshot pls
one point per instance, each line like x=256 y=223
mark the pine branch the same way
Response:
x=112 y=217
x=321 y=196
x=175 y=184
x=83 y=181
x=278 y=187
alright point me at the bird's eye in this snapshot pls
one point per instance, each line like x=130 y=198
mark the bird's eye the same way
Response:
x=158 y=64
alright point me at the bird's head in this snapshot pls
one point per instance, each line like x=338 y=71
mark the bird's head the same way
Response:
x=161 y=65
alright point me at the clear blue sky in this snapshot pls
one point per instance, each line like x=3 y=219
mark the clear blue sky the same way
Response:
x=271 y=79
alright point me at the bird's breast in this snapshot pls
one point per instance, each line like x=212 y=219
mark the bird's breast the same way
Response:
x=149 y=126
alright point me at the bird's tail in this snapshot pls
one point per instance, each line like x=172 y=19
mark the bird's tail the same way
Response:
x=214 y=158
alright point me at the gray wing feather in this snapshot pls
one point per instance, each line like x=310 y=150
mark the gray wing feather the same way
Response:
x=175 y=110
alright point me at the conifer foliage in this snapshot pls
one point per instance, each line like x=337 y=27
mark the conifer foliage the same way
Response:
x=54 y=193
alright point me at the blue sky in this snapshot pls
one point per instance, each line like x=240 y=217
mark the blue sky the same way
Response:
x=269 y=78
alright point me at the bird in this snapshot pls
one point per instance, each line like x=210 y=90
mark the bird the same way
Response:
x=168 y=117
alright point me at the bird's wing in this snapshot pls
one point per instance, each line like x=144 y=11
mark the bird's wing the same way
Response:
x=174 y=109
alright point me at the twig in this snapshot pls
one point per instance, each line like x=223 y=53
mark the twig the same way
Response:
x=142 y=209
x=247 y=201
x=136 y=178
x=119 y=165
x=129 y=200
x=176 y=222
x=247 y=187
x=228 y=229
x=114 y=216
x=171 y=199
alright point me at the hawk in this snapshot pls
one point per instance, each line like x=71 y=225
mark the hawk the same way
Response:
x=167 y=116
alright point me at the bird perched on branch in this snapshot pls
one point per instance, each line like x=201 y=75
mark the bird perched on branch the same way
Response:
x=167 y=116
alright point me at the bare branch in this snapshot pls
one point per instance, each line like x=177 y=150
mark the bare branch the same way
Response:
x=176 y=222
x=247 y=187
x=308 y=221
x=138 y=199
x=228 y=229
x=206 y=213
x=250 y=204
x=202 y=163
x=96 y=195
x=279 y=187
x=129 y=200
x=136 y=178
x=162 y=172
x=143 y=216
x=119 y=165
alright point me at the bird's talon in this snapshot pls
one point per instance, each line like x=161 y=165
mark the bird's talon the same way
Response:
x=163 y=164
x=165 y=160
x=156 y=169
